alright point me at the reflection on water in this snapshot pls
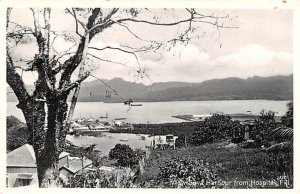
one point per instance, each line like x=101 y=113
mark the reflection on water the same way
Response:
x=153 y=112
x=161 y=112
x=108 y=141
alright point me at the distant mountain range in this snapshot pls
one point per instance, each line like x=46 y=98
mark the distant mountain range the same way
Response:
x=269 y=88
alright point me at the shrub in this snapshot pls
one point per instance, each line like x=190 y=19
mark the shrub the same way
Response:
x=188 y=172
x=287 y=120
x=17 y=133
x=180 y=141
x=118 y=178
x=264 y=125
x=124 y=154
x=215 y=128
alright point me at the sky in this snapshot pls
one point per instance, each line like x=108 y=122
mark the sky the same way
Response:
x=261 y=45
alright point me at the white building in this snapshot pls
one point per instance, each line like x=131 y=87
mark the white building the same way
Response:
x=163 y=141
x=74 y=165
x=21 y=167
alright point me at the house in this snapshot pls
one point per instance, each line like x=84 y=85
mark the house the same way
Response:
x=74 y=125
x=100 y=126
x=163 y=141
x=21 y=167
x=74 y=165
x=249 y=127
x=246 y=132
x=63 y=159
x=118 y=123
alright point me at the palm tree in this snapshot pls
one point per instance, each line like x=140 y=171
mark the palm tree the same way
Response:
x=284 y=136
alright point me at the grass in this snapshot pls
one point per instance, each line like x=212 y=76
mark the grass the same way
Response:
x=234 y=164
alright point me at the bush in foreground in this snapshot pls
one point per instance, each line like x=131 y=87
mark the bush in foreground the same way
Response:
x=125 y=155
x=188 y=172
x=214 y=129
x=117 y=178
x=17 y=133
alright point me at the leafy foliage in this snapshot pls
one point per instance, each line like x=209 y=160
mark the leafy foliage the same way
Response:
x=238 y=164
x=284 y=137
x=124 y=154
x=188 y=172
x=12 y=121
x=117 y=178
x=263 y=128
x=287 y=119
x=162 y=128
x=17 y=133
x=283 y=133
x=215 y=128
x=181 y=141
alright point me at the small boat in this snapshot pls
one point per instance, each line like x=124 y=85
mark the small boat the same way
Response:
x=136 y=105
x=120 y=118
x=123 y=139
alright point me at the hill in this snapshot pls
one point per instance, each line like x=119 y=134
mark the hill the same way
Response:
x=269 y=88
x=233 y=88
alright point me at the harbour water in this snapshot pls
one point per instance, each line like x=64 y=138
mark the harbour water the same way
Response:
x=162 y=112
x=108 y=141
x=153 y=112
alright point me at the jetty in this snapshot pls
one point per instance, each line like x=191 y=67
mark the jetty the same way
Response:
x=236 y=116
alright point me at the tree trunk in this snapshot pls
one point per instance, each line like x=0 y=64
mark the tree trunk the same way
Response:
x=48 y=142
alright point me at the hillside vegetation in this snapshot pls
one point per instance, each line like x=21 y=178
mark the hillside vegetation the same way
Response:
x=269 y=88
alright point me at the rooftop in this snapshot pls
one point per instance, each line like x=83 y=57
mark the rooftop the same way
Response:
x=76 y=164
x=63 y=154
x=21 y=157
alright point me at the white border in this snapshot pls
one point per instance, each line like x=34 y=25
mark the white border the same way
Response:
x=222 y=4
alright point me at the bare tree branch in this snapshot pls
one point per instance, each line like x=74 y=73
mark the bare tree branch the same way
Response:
x=60 y=66
x=130 y=31
x=41 y=61
x=112 y=89
x=73 y=62
x=8 y=11
x=13 y=34
x=153 y=23
x=76 y=83
x=15 y=81
x=76 y=22
x=37 y=30
x=47 y=34
x=106 y=60
x=73 y=13
x=116 y=48
x=109 y=15
x=191 y=18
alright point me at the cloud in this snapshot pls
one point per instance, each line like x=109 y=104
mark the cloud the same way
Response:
x=258 y=47
x=192 y=65
x=255 y=59
x=191 y=54
x=188 y=63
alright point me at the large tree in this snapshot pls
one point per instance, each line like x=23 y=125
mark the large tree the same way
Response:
x=45 y=108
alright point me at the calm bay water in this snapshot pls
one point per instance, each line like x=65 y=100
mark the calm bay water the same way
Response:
x=153 y=112
x=109 y=140
x=161 y=112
